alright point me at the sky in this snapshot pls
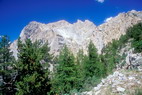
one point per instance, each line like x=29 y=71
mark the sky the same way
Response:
x=16 y=14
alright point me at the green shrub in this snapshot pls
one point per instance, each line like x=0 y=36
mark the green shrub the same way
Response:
x=135 y=33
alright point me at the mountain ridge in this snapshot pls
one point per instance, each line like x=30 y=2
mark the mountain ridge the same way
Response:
x=78 y=35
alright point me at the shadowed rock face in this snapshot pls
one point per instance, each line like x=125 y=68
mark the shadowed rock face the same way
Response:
x=77 y=35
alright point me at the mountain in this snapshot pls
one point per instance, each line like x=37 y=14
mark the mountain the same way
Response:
x=78 y=35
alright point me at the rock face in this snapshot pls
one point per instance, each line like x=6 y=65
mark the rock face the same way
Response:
x=77 y=35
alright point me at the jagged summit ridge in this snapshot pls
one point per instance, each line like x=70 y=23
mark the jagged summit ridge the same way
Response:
x=118 y=25
x=77 y=35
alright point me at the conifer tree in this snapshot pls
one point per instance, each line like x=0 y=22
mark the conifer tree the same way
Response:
x=93 y=59
x=94 y=66
x=32 y=79
x=110 y=55
x=65 y=78
x=7 y=71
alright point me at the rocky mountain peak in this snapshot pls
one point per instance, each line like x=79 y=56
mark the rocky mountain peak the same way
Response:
x=136 y=13
x=30 y=29
x=59 y=23
x=118 y=25
x=86 y=22
x=77 y=35
x=34 y=22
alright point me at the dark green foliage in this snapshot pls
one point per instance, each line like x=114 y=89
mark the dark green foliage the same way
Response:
x=109 y=57
x=110 y=53
x=137 y=46
x=81 y=61
x=90 y=67
x=47 y=57
x=135 y=33
x=66 y=78
x=123 y=39
x=7 y=70
x=6 y=55
x=32 y=79
x=94 y=66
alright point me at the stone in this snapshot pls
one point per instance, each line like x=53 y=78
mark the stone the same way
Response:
x=140 y=68
x=138 y=82
x=120 y=89
x=98 y=92
x=97 y=88
x=87 y=93
x=121 y=75
x=103 y=81
x=116 y=82
x=131 y=78
x=116 y=73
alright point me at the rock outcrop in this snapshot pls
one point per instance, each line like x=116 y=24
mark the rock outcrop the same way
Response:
x=129 y=58
x=77 y=35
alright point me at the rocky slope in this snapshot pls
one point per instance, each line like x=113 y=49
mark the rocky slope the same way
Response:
x=77 y=35
x=125 y=80
x=122 y=82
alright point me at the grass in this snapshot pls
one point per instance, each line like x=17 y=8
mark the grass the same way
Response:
x=137 y=91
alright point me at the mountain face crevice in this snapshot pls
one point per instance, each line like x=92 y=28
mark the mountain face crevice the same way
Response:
x=78 y=35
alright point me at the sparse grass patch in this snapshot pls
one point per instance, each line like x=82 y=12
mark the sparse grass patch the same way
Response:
x=137 y=91
x=90 y=83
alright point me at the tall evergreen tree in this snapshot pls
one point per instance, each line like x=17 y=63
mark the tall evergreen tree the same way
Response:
x=93 y=59
x=7 y=71
x=65 y=78
x=32 y=79
x=110 y=54
x=94 y=66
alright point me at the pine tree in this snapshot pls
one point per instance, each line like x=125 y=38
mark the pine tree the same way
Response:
x=94 y=66
x=65 y=78
x=7 y=71
x=110 y=55
x=93 y=59
x=32 y=79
